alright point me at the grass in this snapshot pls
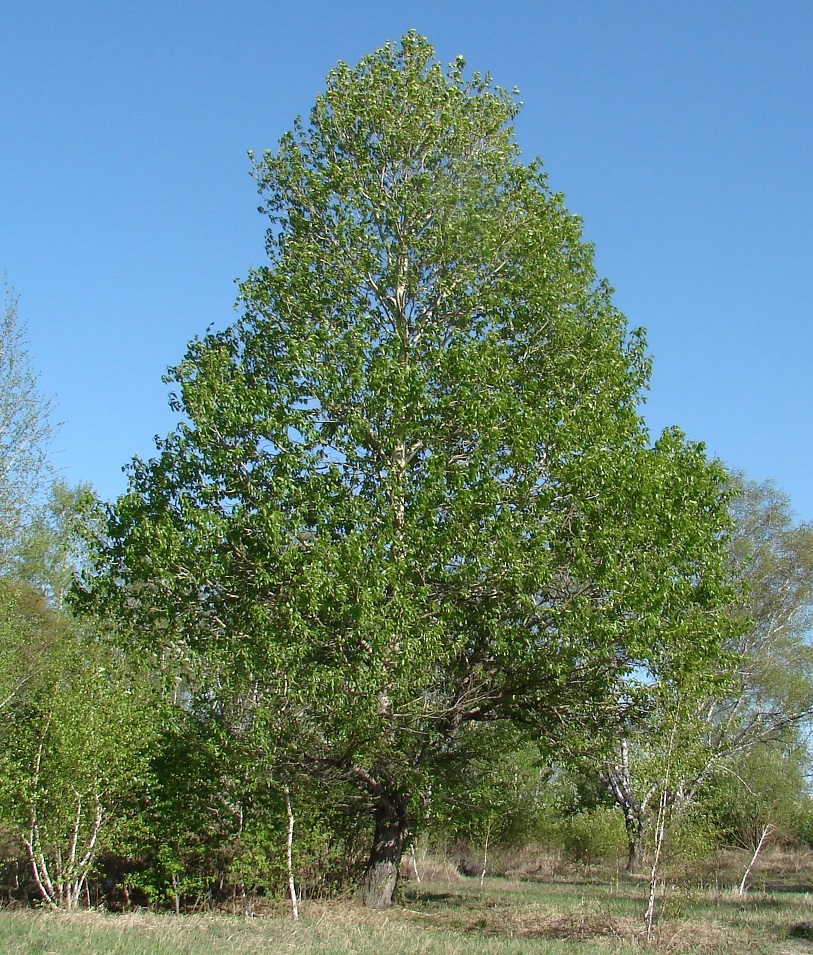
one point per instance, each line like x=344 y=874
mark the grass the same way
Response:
x=570 y=915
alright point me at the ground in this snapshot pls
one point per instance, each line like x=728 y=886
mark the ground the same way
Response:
x=577 y=912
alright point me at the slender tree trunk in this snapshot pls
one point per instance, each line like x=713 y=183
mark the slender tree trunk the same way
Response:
x=660 y=833
x=485 y=855
x=415 y=868
x=664 y=804
x=381 y=876
x=765 y=833
x=176 y=895
x=290 y=856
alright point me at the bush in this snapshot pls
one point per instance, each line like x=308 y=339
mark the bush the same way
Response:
x=596 y=835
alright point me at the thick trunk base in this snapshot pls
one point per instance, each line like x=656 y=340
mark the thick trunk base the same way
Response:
x=380 y=879
x=635 y=857
x=378 y=886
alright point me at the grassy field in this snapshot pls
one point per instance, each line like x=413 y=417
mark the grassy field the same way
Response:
x=456 y=917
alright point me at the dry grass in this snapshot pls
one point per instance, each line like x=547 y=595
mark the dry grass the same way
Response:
x=789 y=870
x=603 y=918
x=565 y=915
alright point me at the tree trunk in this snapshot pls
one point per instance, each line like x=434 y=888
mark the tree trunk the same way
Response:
x=635 y=846
x=617 y=778
x=380 y=878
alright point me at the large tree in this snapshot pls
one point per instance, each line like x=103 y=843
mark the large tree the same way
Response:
x=411 y=488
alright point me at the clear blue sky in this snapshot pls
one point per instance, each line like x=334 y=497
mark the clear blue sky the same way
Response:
x=681 y=132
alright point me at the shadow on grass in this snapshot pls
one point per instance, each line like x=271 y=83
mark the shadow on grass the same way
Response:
x=801 y=930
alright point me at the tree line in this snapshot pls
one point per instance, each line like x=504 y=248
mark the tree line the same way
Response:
x=409 y=565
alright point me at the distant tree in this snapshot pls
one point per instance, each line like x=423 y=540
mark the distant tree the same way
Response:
x=773 y=555
x=659 y=756
x=40 y=566
x=25 y=431
x=411 y=488
x=767 y=691
x=53 y=545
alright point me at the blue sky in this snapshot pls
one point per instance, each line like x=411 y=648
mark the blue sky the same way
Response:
x=682 y=134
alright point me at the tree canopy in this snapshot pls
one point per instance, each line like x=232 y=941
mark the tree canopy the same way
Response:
x=411 y=489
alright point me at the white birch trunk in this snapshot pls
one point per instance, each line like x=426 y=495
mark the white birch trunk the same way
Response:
x=765 y=833
x=290 y=856
x=485 y=855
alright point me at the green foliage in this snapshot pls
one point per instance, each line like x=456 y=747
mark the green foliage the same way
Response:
x=593 y=836
x=763 y=786
x=500 y=796
x=53 y=545
x=692 y=836
x=212 y=818
x=76 y=720
x=803 y=820
x=179 y=845
x=76 y=734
